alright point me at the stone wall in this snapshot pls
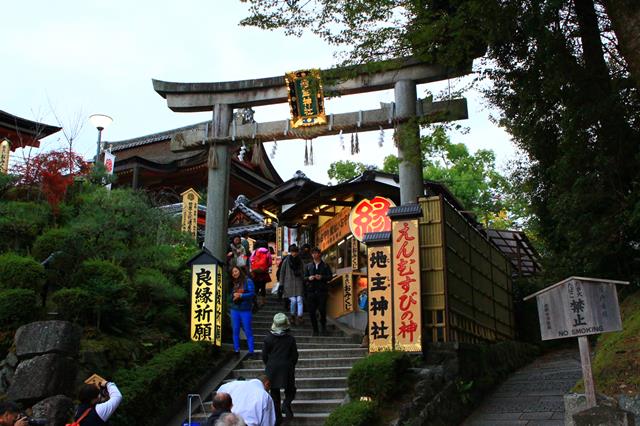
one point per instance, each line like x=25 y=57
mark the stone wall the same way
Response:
x=42 y=370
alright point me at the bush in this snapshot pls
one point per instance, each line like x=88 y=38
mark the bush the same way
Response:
x=152 y=286
x=74 y=304
x=355 y=413
x=21 y=272
x=168 y=376
x=20 y=223
x=109 y=287
x=68 y=254
x=378 y=375
x=17 y=307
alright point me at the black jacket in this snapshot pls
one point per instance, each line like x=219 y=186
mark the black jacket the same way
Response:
x=92 y=418
x=280 y=356
x=317 y=286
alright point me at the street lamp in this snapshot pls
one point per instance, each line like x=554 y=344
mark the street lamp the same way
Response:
x=100 y=121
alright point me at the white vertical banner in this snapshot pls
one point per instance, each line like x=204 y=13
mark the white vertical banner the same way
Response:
x=109 y=163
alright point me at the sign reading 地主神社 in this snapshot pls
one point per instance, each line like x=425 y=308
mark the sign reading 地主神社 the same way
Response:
x=380 y=298
x=306 y=99
x=577 y=307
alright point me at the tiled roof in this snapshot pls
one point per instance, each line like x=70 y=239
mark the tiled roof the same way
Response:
x=377 y=237
x=148 y=139
x=405 y=210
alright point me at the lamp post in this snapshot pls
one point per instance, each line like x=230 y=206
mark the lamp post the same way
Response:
x=100 y=121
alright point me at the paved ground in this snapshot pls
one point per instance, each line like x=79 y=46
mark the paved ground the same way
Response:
x=533 y=394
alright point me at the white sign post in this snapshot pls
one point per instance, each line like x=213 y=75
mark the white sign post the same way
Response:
x=577 y=307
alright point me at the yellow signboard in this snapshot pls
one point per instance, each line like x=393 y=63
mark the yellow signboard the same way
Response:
x=306 y=99
x=190 y=211
x=5 y=151
x=206 y=304
x=334 y=230
x=355 y=251
x=407 y=318
x=347 y=291
x=380 y=298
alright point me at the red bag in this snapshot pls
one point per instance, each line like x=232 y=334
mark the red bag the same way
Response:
x=81 y=418
x=260 y=261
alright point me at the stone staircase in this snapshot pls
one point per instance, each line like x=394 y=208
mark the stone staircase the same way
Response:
x=321 y=373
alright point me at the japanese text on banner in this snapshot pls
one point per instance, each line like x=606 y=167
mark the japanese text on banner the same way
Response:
x=379 y=293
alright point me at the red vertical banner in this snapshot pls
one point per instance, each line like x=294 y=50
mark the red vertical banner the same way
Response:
x=407 y=313
x=379 y=299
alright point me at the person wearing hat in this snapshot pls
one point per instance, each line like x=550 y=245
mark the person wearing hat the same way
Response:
x=280 y=355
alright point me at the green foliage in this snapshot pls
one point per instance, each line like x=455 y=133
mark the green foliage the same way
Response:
x=617 y=360
x=158 y=301
x=17 y=307
x=74 y=304
x=20 y=223
x=152 y=388
x=355 y=413
x=109 y=287
x=67 y=250
x=378 y=376
x=344 y=170
x=20 y=272
x=6 y=182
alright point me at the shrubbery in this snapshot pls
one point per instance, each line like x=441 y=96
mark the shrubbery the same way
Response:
x=17 y=306
x=20 y=224
x=378 y=375
x=74 y=304
x=355 y=413
x=172 y=373
x=21 y=272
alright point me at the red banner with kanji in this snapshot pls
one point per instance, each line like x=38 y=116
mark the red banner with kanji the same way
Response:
x=407 y=318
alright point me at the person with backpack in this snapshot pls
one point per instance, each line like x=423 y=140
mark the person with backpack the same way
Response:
x=97 y=404
x=260 y=262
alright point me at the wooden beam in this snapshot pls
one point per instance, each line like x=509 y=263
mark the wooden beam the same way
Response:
x=195 y=138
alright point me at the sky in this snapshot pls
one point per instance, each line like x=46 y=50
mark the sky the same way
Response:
x=65 y=60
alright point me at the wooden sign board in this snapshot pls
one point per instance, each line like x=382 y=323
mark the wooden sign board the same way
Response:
x=578 y=307
x=96 y=380
x=347 y=292
x=380 y=299
x=334 y=230
x=355 y=252
x=206 y=303
x=190 y=200
x=5 y=152
x=407 y=314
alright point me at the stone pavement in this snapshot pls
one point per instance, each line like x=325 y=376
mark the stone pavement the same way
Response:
x=533 y=394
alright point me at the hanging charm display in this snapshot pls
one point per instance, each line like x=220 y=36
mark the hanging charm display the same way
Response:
x=341 y=138
x=357 y=145
x=353 y=149
x=243 y=151
x=274 y=149
x=381 y=137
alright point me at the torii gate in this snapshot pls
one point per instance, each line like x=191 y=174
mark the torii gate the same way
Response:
x=223 y=131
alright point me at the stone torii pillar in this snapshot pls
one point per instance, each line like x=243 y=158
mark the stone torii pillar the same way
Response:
x=408 y=140
x=215 y=231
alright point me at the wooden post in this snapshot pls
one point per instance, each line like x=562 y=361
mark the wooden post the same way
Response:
x=587 y=374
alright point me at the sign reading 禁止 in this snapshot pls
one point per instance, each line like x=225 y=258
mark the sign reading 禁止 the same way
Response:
x=5 y=152
x=334 y=230
x=407 y=319
x=206 y=298
x=370 y=216
x=578 y=307
x=379 y=293
x=347 y=292
x=306 y=100
x=190 y=200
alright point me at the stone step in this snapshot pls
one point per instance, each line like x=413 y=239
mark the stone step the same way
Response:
x=308 y=419
x=310 y=382
x=316 y=346
x=300 y=372
x=305 y=353
x=308 y=338
x=310 y=362
x=309 y=394
x=315 y=405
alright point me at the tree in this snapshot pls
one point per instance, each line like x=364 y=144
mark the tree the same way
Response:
x=472 y=178
x=52 y=173
x=344 y=170
x=562 y=85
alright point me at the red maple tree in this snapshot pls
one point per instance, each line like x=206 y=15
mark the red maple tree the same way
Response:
x=52 y=173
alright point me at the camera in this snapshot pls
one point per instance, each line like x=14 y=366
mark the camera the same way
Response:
x=31 y=421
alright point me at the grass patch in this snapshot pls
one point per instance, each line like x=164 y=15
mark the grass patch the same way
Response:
x=617 y=360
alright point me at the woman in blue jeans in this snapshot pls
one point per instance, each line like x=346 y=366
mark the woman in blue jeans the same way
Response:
x=242 y=295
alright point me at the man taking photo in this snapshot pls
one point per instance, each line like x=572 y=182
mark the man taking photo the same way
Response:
x=10 y=415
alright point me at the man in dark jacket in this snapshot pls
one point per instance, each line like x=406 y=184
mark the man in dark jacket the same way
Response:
x=221 y=404
x=280 y=355
x=317 y=274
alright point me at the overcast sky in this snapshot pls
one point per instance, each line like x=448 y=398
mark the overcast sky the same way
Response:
x=85 y=57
